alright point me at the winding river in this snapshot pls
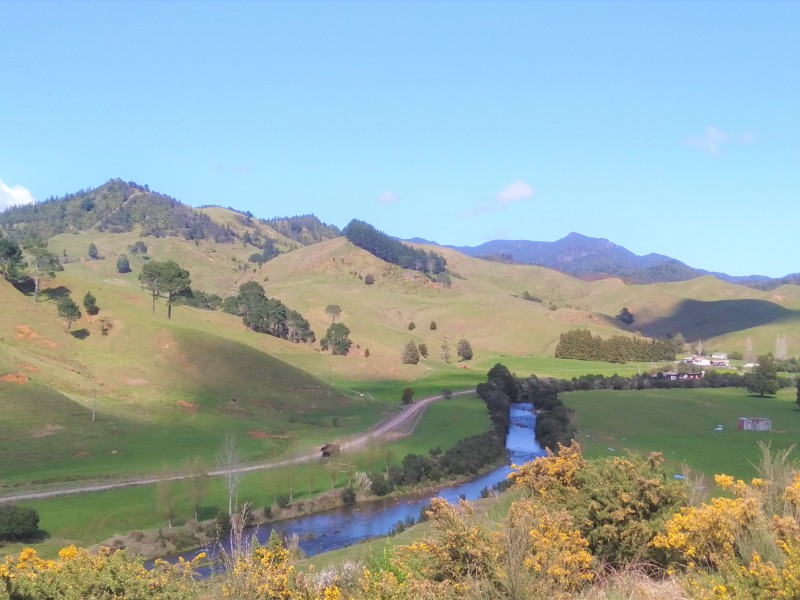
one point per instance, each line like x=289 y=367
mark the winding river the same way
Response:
x=323 y=532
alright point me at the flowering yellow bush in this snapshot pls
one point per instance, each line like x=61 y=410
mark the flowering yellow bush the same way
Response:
x=706 y=535
x=550 y=473
x=107 y=575
x=556 y=550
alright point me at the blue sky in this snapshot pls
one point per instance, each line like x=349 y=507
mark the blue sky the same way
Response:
x=664 y=127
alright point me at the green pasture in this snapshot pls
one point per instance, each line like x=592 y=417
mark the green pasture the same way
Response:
x=680 y=424
x=87 y=519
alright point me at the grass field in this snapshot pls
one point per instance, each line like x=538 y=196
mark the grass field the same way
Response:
x=90 y=518
x=680 y=424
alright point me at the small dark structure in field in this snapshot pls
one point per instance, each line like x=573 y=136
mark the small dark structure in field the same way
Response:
x=329 y=450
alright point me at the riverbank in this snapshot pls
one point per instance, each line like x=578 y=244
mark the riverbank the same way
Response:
x=195 y=536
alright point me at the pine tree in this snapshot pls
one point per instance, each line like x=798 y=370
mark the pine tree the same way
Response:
x=410 y=353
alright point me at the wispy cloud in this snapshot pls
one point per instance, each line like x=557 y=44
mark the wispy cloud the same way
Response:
x=13 y=196
x=388 y=197
x=513 y=192
x=713 y=140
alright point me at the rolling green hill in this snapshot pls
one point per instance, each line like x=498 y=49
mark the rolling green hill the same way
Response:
x=167 y=390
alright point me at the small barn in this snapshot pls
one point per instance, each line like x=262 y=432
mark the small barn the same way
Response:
x=754 y=424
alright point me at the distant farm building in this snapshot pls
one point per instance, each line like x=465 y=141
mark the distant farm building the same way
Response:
x=719 y=359
x=673 y=376
x=754 y=424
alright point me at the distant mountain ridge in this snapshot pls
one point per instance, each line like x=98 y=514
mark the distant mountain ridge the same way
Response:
x=591 y=258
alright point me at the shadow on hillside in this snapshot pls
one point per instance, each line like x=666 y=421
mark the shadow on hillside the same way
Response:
x=696 y=319
x=24 y=285
x=80 y=334
x=55 y=293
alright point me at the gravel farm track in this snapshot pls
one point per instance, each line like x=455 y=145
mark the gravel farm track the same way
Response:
x=385 y=429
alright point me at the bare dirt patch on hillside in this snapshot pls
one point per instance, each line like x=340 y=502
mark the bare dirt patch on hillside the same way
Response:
x=25 y=333
x=190 y=406
x=135 y=381
x=11 y=378
x=48 y=429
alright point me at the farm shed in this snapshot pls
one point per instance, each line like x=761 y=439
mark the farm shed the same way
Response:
x=754 y=424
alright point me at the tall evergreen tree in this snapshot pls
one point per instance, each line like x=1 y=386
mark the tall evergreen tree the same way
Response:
x=44 y=262
x=763 y=379
x=68 y=310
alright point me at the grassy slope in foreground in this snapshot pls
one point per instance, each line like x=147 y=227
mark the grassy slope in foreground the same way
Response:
x=87 y=519
x=680 y=424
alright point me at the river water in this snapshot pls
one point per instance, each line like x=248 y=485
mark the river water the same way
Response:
x=323 y=532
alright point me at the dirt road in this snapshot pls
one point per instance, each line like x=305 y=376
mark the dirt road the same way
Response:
x=396 y=421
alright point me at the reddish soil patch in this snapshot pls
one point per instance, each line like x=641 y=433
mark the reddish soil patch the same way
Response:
x=259 y=435
x=82 y=454
x=14 y=378
x=24 y=332
x=190 y=406
x=30 y=368
x=136 y=381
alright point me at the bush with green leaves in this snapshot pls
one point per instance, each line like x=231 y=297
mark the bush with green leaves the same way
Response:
x=90 y=304
x=337 y=339
x=18 y=522
x=123 y=266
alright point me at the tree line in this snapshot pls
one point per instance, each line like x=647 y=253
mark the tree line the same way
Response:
x=377 y=243
x=580 y=344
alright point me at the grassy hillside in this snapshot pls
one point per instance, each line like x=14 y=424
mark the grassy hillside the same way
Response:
x=194 y=378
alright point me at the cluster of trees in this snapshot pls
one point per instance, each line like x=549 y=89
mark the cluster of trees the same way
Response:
x=268 y=251
x=412 y=352
x=337 y=338
x=387 y=248
x=467 y=457
x=582 y=345
x=553 y=418
x=304 y=229
x=646 y=381
x=165 y=280
x=268 y=315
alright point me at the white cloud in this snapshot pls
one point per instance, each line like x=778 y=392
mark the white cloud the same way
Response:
x=388 y=197
x=12 y=196
x=513 y=192
x=713 y=139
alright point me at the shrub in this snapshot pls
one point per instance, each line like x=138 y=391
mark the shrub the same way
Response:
x=123 y=266
x=408 y=395
x=380 y=484
x=17 y=522
x=433 y=325
x=411 y=326
x=423 y=350
x=464 y=350
x=369 y=279
x=282 y=501
x=348 y=496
